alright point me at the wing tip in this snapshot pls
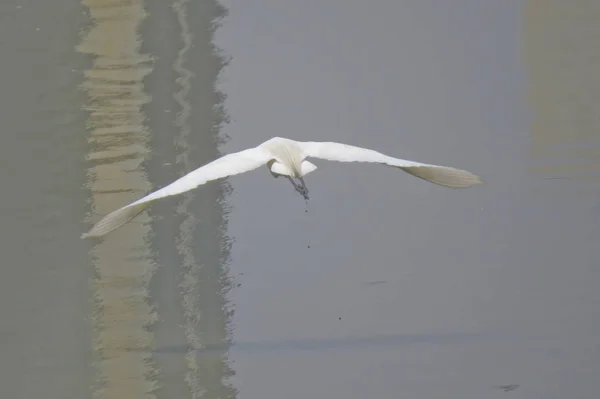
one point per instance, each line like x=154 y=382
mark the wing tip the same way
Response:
x=91 y=234
x=465 y=179
x=96 y=231
x=115 y=219
x=445 y=176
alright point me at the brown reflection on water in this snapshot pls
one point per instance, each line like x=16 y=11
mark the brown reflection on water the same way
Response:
x=118 y=143
x=563 y=58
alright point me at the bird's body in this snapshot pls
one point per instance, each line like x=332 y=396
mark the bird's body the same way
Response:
x=283 y=157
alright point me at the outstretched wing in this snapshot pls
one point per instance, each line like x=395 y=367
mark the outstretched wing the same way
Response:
x=228 y=165
x=441 y=175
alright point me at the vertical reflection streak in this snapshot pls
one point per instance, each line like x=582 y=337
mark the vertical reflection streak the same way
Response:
x=561 y=53
x=186 y=228
x=118 y=144
x=202 y=242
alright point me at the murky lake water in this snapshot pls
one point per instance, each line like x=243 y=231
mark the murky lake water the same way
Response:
x=388 y=286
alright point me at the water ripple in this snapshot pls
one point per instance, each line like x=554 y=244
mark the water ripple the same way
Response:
x=118 y=144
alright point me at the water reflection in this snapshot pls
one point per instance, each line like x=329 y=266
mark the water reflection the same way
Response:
x=189 y=232
x=118 y=144
x=201 y=241
x=560 y=49
x=188 y=289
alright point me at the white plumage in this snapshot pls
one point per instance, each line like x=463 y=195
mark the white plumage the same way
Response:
x=284 y=157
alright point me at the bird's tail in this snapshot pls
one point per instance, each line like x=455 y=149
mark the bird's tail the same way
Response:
x=444 y=176
x=115 y=219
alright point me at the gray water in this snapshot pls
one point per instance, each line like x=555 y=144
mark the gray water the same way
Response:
x=387 y=286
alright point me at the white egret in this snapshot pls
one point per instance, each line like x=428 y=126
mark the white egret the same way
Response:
x=283 y=157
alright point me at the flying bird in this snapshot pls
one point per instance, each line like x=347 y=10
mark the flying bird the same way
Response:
x=283 y=157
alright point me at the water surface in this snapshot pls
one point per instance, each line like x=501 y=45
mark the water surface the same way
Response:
x=388 y=286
